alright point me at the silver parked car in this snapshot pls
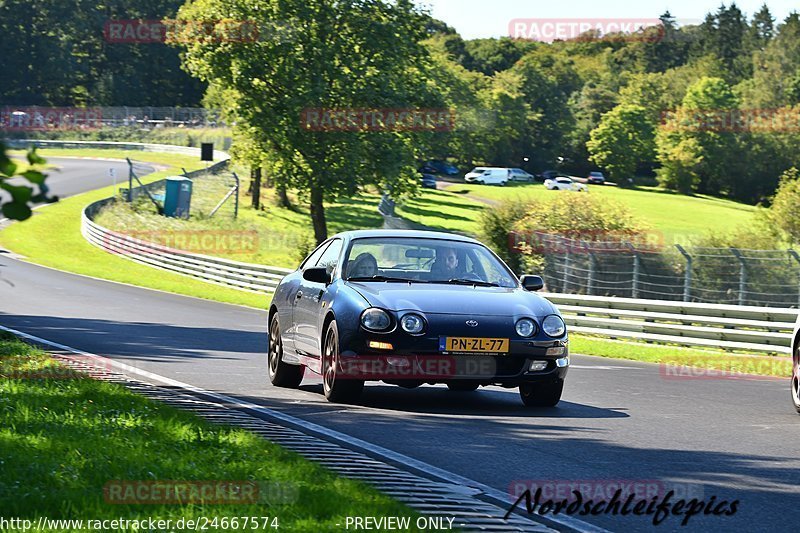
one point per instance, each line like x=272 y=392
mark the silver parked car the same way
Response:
x=563 y=183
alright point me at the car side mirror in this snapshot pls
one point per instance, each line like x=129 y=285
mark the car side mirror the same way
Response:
x=532 y=283
x=317 y=275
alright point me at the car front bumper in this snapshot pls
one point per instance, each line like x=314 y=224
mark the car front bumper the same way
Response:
x=398 y=357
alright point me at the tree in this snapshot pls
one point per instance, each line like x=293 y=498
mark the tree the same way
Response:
x=18 y=207
x=342 y=57
x=624 y=139
x=697 y=145
x=776 y=69
x=55 y=53
x=762 y=28
x=679 y=164
x=783 y=211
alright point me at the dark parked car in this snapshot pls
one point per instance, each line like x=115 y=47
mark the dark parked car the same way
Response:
x=436 y=166
x=596 y=177
x=549 y=175
x=428 y=181
x=415 y=307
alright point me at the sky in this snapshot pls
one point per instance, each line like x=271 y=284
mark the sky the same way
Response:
x=490 y=18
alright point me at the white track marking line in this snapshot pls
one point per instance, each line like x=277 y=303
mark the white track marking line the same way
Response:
x=430 y=470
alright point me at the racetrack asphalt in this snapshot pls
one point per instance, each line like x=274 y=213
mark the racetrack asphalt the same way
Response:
x=619 y=421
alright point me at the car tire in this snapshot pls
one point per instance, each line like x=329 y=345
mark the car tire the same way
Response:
x=336 y=390
x=281 y=373
x=541 y=394
x=458 y=386
x=795 y=389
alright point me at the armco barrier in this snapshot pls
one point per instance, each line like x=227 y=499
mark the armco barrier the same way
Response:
x=763 y=329
x=107 y=145
x=243 y=276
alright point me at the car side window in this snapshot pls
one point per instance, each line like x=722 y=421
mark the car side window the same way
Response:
x=330 y=259
x=312 y=259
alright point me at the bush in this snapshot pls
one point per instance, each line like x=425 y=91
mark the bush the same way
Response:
x=497 y=225
x=520 y=231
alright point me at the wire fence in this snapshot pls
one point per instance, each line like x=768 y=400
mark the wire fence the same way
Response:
x=693 y=274
x=38 y=118
x=215 y=191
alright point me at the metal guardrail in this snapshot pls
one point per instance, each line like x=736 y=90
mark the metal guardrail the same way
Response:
x=109 y=145
x=740 y=327
x=244 y=276
x=734 y=327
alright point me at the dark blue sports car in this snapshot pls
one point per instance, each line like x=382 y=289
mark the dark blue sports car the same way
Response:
x=415 y=307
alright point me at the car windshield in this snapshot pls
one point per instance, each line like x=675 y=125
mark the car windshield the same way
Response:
x=425 y=260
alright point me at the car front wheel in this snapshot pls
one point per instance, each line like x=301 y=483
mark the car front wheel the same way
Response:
x=541 y=394
x=281 y=374
x=336 y=386
x=796 y=380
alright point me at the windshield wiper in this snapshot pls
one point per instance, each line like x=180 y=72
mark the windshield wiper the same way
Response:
x=464 y=281
x=384 y=278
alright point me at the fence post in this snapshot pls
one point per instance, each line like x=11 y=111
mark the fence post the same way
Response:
x=794 y=254
x=687 y=277
x=742 y=275
x=566 y=269
x=236 y=198
x=130 y=180
x=592 y=267
x=635 y=281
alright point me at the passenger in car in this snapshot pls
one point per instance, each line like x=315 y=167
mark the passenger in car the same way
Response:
x=363 y=266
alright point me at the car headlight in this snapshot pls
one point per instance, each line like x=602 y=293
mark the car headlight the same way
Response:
x=412 y=323
x=554 y=326
x=525 y=327
x=375 y=319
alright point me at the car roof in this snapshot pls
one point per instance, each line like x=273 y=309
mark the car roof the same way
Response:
x=407 y=233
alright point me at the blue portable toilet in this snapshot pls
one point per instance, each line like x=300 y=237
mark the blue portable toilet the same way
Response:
x=178 y=197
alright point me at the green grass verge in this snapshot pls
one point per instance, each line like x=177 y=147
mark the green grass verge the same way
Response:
x=63 y=440
x=442 y=210
x=710 y=360
x=52 y=237
x=680 y=218
x=283 y=237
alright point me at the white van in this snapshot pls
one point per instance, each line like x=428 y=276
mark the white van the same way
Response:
x=488 y=175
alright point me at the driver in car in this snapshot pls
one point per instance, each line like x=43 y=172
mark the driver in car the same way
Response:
x=447 y=264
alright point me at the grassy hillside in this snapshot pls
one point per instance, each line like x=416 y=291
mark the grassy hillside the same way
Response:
x=679 y=217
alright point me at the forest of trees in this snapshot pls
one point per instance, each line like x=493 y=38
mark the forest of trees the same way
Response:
x=633 y=107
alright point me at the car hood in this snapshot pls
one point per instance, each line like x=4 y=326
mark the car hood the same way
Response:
x=453 y=299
